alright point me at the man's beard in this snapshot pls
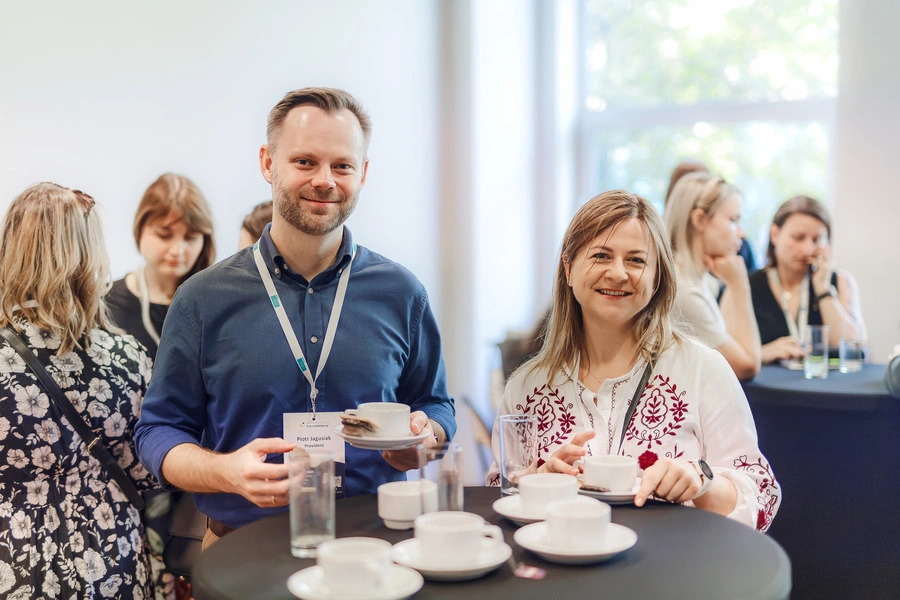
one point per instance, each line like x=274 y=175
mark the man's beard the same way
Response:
x=305 y=219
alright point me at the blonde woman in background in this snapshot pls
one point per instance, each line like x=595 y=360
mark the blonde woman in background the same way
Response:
x=173 y=230
x=702 y=217
x=66 y=528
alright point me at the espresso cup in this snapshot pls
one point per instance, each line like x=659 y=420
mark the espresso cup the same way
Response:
x=392 y=418
x=538 y=490
x=577 y=524
x=400 y=502
x=615 y=474
x=354 y=566
x=451 y=538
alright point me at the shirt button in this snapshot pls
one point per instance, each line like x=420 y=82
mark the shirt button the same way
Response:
x=277 y=271
x=310 y=290
x=314 y=339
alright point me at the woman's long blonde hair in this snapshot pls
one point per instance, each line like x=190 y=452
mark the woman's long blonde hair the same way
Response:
x=52 y=254
x=564 y=336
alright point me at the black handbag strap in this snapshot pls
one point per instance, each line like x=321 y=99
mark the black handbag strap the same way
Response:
x=648 y=370
x=91 y=440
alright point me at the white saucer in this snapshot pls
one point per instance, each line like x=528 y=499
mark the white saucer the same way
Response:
x=618 y=539
x=382 y=443
x=612 y=497
x=309 y=584
x=487 y=557
x=511 y=508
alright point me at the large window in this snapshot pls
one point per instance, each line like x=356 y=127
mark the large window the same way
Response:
x=747 y=87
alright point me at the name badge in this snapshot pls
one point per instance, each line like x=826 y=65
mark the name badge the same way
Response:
x=316 y=433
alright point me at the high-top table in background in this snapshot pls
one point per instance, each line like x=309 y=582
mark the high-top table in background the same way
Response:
x=680 y=553
x=834 y=447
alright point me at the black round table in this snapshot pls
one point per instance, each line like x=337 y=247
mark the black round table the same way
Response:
x=680 y=553
x=834 y=448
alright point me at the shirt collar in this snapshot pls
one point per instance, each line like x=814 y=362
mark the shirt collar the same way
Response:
x=276 y=263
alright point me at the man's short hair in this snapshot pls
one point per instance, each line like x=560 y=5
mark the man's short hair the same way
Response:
x=331 y=100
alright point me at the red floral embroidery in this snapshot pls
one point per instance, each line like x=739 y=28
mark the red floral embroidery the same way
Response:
x=768 y=489
x=647 y=459
x=662 y=410
x=550 y=407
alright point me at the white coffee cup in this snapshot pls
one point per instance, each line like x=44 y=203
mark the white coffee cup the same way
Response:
x=577 y=524
x=354 y=565
x=400 y=502
x=392 y=418
x=616 y=474
x=538 y=490
x=451 y=538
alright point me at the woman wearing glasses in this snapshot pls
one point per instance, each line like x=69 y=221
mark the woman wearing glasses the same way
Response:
x=67 y=528
x=173 y=230
x=702 y=217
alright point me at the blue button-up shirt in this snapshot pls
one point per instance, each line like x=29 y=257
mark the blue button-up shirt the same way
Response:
x=225 y=375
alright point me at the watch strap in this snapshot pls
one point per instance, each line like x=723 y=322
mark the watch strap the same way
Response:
x=705 y=480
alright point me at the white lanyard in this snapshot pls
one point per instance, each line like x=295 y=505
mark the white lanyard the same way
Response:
x=797 y=328
x=145 y=307
x=289 y=330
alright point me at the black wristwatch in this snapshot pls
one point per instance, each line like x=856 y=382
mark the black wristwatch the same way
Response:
x=706 y=476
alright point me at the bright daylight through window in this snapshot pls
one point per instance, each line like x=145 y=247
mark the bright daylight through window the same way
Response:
x=747 y=87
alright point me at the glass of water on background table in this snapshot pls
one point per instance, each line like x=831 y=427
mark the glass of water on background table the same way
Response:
x=441 y=468
x=311 y=500
x=815 y=351
x=851 y=351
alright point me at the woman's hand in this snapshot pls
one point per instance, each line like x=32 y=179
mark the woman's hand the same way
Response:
x=671 y=480
x=820 y=264
x=730 y=270
x=561 y=460
x=786 y=347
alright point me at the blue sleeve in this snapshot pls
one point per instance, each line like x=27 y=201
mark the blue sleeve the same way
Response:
x=174 y=410
x=423 y=384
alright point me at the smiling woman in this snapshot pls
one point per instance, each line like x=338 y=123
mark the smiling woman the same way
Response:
x=612 y=366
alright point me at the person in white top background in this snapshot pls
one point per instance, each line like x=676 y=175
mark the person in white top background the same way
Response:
x=702 y=216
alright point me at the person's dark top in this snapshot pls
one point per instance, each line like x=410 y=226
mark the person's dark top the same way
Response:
x=769 y=315
x=225 y=375
x=125 y=309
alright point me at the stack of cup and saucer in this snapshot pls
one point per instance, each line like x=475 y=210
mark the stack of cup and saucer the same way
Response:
x=452 y=546
x=379 y=426
x=610 y=478
x=576 y=531
x=355 y=568
x=536 y=492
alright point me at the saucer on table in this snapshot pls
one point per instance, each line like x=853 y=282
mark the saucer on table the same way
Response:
x=382 y=443
x=511 y=507
x=611 y=497
x=486 y=558
x=618 y=539
x=402 y=582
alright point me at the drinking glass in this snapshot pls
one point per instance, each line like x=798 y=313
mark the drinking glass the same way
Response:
x=815 y=352
x=311 y=500
x=442 y=466
x=518 y=450
x=851 y=351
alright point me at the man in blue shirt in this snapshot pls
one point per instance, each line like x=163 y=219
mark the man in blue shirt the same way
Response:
x=230 y=366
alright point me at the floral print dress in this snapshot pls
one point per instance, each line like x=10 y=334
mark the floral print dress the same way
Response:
x=66 y=529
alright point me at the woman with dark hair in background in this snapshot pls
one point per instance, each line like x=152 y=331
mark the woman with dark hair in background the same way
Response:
x=800 y=286
x=67 y=530
x=173 y=230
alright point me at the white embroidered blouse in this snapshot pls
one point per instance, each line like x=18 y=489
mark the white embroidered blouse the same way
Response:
x=692 y=407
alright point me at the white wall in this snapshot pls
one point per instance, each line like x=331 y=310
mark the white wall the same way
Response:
x=867 y=179
x=105 y=95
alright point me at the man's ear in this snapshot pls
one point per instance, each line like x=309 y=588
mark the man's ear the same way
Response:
x=265 y=162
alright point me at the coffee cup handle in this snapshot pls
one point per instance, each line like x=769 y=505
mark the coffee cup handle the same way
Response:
x=350 y=411
x=493 y=532
x=579 y=463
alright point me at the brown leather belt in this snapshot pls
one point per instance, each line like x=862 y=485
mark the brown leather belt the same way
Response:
x=218 y=528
